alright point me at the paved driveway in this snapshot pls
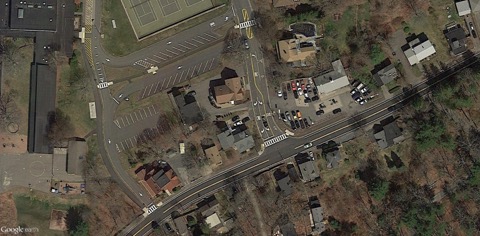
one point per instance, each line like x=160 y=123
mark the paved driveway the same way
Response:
x=396 y=41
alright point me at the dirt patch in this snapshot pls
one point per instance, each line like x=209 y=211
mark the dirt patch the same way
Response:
x=58 y=220
x=8 y=212
x=13 y=143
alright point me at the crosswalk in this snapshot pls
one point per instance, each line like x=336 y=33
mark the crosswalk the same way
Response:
x=275 y=140
x=151 y=209
x=143 y=63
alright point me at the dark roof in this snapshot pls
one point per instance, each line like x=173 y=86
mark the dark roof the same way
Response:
x=307 y=29
x=76 y=156
x=288 y=229
x=160 y=178
x=307 y=167
x=283 y=181
x=33 y=15
x=389 y=135
x=385 y=75
x=333 y=158
x=456 y=38
x=42 y=106
x=317 y=216
x=208 y=206
x=188 y=107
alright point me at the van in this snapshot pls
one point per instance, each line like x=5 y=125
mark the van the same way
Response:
x=360 y=86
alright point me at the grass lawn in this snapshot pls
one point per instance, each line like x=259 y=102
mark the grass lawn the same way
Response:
x=73 y=99
x=16 y=80
x=123 y=73
x=161 y=101
x=122 y=41
x=32 y=212
x=391 y=85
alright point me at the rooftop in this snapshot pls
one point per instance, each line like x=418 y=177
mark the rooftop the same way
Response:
x=231 y=91
x=33 y=15
x=237 y=138
x=385 y=75
x=307 y=167
x=463 y=8
x=293 y=51
x=456 y=38
x=389 y=134
x=418 y=48
x=332 y=80
x=76 y=156
x=188 y=107
x=333 y=159
x=317 y=216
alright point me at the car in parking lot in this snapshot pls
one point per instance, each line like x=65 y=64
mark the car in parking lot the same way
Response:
x=282 y=116
x=302 y=125
x=363 y=101
x=279 y=93
x=319 y=112
x=265 y=123
x=308 y=145
x=294 y=114
x=299 y=114
x=292 y=125
x=236 y=118
x=245 y=119
x=315 y=98
x=191 y=93
x=294 y=86
x=297 y=124
x=284 y=95
x=336 y=111
x=474 y=34
x=307 y=100
x=295 y=94
x=288 y=87
x=287 y=115
x=306 y=122
x=168 y=227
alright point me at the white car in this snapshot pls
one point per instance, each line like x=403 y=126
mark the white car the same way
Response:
x=300 y=92
x=306 y=95
x=279 y=93
x=308 y=145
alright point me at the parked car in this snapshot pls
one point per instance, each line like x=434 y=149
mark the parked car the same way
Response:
x=238 y=123
x=322 y=105
x=299 y=114
x=302 y=125
x=292 y=125
x=279 y=93
x=236 y=118
x=360 y=86
x=306 y=122
x=282 y=116
x=294 y=114
x=295 y=94
x=265 y=124
x=308 y=145
x=284 y=95
x=474 y=34
x=305 y=95
x=191 y=93
x=471 y=26
x=294 y=86
x=287 y=114
x=319 y=112
x=315 y=91
x=297 y=124
x=168 y=227
x=244 y=120
x=298 y=84
x=307 y=100
x=288 y=87
x=300 y=92
x=363 y=101
x=336 y=111
x=315 y=98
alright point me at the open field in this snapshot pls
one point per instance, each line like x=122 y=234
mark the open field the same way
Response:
x=122 y=41
x=73 y=97
x=33 y=212
x=16 y=80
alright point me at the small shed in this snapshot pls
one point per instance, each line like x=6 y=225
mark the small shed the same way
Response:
x=463 y=8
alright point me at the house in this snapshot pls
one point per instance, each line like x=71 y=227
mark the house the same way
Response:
x=296 y=52
x=213 y=220
x=463 y=7
x=384 y=74
x=157 y=177
x=333 y=80
x=213 y=154
x=288 y=3
x=418 y=48
x=76 y=156
x=232 y=91
x=388 y=133
x=475 y=5
x=237 y=138
x=333 y=158
x=316 y=216
x=283 y=181
x=456 y=38
x=208 y=206
x=306 y=165
x=188 y=107
x=181 y=225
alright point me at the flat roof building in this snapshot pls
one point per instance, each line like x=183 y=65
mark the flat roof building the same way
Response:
x=333 y=80
x=463 y=8
x=36 y=15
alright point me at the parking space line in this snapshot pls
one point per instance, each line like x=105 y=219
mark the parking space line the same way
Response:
x=150 y=91
x=188 y=71
x=153 y=60
x=154 y=109
x=209 y=35
x=193 y=71
x=165 y=54
x=172 y=52
x=145 y=112
x=180 y=79
x=184 y=46
x=139 y=112
x=191 y=44
x=132 y=118
x=198 y=41
x=145 y=90
x=126 y=118
x=208 y=40
x=117 y=123
x=178 y=49
x=163 y=83
x=123 y=147
x=130 y=139
x=123 y=122
x=150 y=111
x=205 y=68
x=174 y=79
x=159 y=57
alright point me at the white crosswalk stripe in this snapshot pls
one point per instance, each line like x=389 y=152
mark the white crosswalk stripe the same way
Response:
x=151 y=209
x=275 y=140
x=144 y=64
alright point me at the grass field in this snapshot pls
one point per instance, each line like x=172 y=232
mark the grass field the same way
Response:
x=32 y=212
x=73 y=99
x=122 y=41
x=161 y=100
x=16 y=80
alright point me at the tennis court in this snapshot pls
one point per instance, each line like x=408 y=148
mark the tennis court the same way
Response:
x=150 y=16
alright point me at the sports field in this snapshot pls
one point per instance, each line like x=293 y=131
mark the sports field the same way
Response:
x=150 y=16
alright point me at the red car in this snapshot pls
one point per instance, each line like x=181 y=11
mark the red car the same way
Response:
x=303 y=87
x=294 y=87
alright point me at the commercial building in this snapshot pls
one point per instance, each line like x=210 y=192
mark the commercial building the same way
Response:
x=332 y=80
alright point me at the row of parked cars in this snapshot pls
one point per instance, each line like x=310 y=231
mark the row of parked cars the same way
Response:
x=300 y=88
x=295 y=119
x=360 y=92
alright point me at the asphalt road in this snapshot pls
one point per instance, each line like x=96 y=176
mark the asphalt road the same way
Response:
x=288 y=148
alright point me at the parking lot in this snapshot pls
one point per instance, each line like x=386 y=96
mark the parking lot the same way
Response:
x=176 y=49
x=299 y=111
x=136 y=116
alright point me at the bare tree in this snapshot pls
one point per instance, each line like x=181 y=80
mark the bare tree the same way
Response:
x=8 y=109
x=7 y=49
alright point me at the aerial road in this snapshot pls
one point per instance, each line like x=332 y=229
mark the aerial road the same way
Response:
x=277 y=153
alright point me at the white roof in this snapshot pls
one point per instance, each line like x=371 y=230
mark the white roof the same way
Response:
x=475 y=4
x=463 y=8
x=424 y=50
x=410 y=55
x=213 y=220
x=333 y=85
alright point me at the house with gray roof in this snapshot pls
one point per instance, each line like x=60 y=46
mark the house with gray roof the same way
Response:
x=457 y=39
x=188 y=107
x=283 y=181
x=418 y=48
x=333 y=158
x=316 y=216
x=385 y=74
x=237 y=138
x=388 y=134
x=307 y=167
x=332 y=80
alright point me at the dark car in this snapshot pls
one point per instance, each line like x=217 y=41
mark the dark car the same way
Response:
x=295 y=94
x=336 y=111
x=244 y=120
x=284 y=95
x=315 y=98
x=289 y=88
x=322 y=106
x=235 y=118
x=315 y=91
x=192 y=93
x=306 y=122
x=297 y=124
x=168 y=227
x=319 y=112
x=292 y=124
x=294 y=114
x=474 y=34
x=283 y=117
x=287 y=115
x=302 y=124
x=307 y=100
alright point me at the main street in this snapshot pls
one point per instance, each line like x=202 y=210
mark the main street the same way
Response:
x=279 y=152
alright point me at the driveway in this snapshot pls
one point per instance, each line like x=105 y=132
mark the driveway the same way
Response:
x=396 y=41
